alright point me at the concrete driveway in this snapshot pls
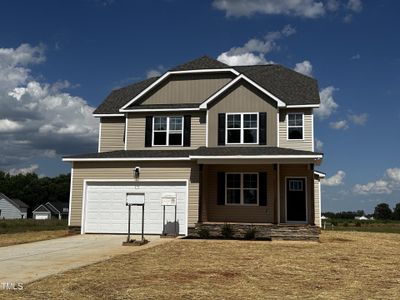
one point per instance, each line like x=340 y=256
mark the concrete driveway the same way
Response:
x=28 y=262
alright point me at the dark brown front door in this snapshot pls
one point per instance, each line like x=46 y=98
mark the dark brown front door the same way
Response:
x=296 y=200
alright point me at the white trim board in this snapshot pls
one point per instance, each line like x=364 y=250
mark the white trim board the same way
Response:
x=166 y=75
x=107 y=115
x=195 y=157
x=231 y=83
x=70 y=195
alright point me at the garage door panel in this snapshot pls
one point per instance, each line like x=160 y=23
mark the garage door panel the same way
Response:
x=106 y=211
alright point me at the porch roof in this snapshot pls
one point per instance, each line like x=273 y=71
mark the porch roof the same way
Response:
x=207 y=153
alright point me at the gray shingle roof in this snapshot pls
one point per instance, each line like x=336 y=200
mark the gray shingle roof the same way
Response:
x=202 y=151
x=16 y=202
x=291 y=87
x=204 y=62
x=120 y=97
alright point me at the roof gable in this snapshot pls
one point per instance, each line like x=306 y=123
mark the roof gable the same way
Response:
x=290 y=87
x=16 y=202
x=41 y=208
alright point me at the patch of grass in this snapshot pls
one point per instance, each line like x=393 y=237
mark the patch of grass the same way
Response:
x=28 y=225
x=381 y=229
x=28 y=237
x=344 y=265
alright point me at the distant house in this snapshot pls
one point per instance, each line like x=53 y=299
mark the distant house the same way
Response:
x=51 y=210
x=12 y=208
x=362 y=218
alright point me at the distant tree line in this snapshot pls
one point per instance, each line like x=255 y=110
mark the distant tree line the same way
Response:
x=35 y=190
x=381 y=212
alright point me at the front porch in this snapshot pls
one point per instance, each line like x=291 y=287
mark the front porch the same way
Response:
x=276 y=200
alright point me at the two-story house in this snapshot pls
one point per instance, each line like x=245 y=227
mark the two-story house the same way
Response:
x=231 y=144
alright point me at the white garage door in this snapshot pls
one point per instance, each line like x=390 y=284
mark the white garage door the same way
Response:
x=42 y=216
x=106 y=210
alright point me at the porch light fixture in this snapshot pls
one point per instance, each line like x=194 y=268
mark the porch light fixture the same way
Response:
x=136 y=172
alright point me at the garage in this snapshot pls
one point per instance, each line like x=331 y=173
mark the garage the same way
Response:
x=106 y=211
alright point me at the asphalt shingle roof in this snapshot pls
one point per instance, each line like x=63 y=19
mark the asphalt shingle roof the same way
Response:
x=202 y=151
x=291 y=87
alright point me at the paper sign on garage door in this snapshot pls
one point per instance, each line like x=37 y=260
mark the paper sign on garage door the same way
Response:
x=168 y=199
x=134 y=198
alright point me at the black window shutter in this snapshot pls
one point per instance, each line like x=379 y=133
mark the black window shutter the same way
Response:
x=262 y=188
x=149 y=131
x=221 y=129
x=187 y=121
x=221 y=188
x=262 y=132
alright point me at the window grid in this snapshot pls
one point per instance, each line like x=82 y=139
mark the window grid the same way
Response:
x=244 y=123
x=295 y=126
x=169 y=126
x=242 y=188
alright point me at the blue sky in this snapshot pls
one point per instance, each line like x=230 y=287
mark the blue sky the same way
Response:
x=60 y=59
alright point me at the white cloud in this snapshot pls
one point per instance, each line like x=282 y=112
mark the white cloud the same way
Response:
x=30 y=169
x=7 y=125
x=356 y=56
x=319 y=145
x=328 y=104
x=302 y=8
x=393 y=174
x=156 y=72
x=335 y=180
x=244 y=59
x=339 y=125
x=304 y=68
x=377 y=187
x=253 y=51
x=39 y=119
x=355 y=5
x=385 y=185
x=332 y=5
x=360 y=119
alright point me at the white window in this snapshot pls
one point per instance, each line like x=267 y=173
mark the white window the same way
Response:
x=241 y=189
x=242 y=128
x=295 y=126
x=167 y=131
x=295 y=185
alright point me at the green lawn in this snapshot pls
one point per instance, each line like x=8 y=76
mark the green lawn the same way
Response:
x=28 y=225
x=365 y=226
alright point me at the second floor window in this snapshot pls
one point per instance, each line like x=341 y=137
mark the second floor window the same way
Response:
x=295 y=126
x=242 y=128
x=167 y=131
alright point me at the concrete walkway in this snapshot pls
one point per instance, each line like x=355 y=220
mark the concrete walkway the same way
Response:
x=28 y=262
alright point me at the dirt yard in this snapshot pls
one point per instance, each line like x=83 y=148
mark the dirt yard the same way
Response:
x=344 y=265
x=9 y=239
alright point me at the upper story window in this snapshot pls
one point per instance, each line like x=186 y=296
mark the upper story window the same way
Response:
x=167 y=131
x=295 y=126
x=242 y=128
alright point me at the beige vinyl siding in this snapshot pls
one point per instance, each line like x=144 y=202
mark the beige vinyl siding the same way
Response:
x=137 y=128
x=303 y=170
x=242 y=98
x=237 y=213
x=317 y=201
x=124 y=170
x=188 y=88
x=307 y=142
x=112 y=134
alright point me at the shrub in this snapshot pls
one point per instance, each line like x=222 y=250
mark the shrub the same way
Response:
x=358 y=224
x=227 y=231
x=250 y=233
x=204 y=233
x=346 y=224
